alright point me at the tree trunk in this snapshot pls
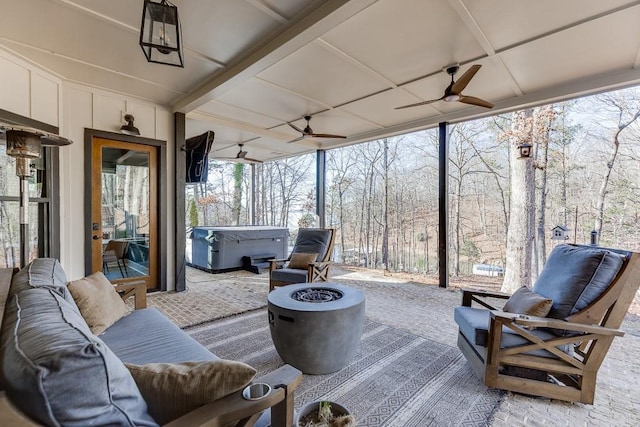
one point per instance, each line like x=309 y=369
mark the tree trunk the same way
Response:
x=542 y=120
x=385 y=229
x=521 y=218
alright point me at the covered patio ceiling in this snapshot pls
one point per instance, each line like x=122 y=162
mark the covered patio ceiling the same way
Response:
x=253 y=66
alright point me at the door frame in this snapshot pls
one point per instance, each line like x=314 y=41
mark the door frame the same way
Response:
x=89 y=135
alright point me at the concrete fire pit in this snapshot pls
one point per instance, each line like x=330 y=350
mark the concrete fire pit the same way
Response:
x=316 y=327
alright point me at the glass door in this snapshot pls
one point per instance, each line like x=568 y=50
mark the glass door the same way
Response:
x=124 y=211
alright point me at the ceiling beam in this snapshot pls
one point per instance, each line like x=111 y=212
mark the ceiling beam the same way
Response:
x=308 y=25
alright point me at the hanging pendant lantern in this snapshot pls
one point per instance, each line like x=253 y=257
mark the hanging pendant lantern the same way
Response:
x=160 y=33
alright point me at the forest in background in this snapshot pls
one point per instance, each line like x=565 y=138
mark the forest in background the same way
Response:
x=382 y=196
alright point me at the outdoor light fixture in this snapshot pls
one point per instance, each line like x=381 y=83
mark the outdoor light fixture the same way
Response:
x=525 y=150
x=129 y=128
x=160 y=33
x=24 y=145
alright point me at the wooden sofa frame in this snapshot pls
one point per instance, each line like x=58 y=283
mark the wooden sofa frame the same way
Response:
x=316 y=271
x=221 y=412
x=569 y=377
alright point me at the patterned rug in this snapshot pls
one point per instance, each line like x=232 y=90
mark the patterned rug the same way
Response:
x=395 y=379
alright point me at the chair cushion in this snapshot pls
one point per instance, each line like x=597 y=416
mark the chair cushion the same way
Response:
x=524 y=301
x=42 y=273
x=162 y=343
x=574 y=276
x=58 y=373
x=301 y=260
x=289 y=275
x=474 y=325
x=313 y=240
x=174 y=389
x=98 y=301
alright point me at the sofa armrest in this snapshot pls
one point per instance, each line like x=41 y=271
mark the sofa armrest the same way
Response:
x=532 y=322
x=475 y=295
x=136 y=290
x=234 y=407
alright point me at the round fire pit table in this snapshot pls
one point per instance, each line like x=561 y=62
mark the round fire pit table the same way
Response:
x=316 y=327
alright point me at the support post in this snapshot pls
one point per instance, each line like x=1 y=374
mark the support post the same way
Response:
x=443 y=204
x=321 y=186
x=180 y=158
x=253 y=205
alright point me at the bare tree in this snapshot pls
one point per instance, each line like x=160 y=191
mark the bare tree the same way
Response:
x=520 y=232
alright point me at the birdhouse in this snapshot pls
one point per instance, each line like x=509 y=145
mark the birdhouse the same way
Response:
x=559 y=232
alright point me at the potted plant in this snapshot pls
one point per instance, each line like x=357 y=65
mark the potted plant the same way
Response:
x=324 y=414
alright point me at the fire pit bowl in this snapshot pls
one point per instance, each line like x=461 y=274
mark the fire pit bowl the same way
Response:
x=316 y=327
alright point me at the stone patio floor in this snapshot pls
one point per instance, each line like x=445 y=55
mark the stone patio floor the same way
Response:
x=426 y=310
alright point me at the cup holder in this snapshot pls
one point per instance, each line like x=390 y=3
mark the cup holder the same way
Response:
x=256 y=391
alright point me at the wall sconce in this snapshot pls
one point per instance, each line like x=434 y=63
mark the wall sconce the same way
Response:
x=525 y=150
x=24 y=145
x=160 y=33
x=129 y=128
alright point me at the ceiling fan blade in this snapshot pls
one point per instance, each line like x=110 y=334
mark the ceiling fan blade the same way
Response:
x=296 y=139
x=475 y=101
x=249 y=159
x=417 y=104
x=296 y=128
x=463 y=81
x=326 y=135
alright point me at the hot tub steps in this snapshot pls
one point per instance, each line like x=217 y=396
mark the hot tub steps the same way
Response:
x=254 y=263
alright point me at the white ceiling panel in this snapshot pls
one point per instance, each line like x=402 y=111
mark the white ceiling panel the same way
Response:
x=406 y=39
x=259 y=96
x=317 y=72
x=566 y=56
x=380 y=108
x=234 y=113
x=524 y=20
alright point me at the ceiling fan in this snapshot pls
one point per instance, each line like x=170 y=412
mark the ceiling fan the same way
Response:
x=241 y=156
x=453 y=92
x=307 y=132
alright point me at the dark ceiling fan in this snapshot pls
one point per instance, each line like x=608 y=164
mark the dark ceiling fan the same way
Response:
x=453 y=92
x=241 y=157
x=307 y=132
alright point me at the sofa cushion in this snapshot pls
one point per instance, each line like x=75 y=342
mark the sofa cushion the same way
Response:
x=58 y=373
x=574 y=276
x=289 y=275
x=42 y=273
x=98 y=301
x=147 y=336
x=524 y=301
x=313 y=240
x=174 y=389
x=301 y=260
x=474 y=325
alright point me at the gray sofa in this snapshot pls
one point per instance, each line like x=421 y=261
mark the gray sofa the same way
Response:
x=54 y=370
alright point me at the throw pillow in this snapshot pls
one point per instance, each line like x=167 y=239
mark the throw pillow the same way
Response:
x=301 y=260
x=98 y=301
x=175 y=389
x=525 y=301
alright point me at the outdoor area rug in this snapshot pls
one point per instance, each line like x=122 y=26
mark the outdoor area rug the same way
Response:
x=395 y=379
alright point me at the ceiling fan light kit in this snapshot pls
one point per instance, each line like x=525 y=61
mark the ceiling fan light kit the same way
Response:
x=453 y=92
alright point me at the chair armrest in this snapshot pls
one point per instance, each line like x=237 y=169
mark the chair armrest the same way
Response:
x=471 y=295
x=136 y=290
x=318 y=271
x=234 y=407
x=545 y=322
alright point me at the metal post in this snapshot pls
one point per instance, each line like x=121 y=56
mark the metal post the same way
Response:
x=23 y=170
x=443 y=204
x=594 y=238
x=321 y=185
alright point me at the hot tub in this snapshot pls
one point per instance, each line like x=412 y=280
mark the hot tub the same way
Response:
x=220 y=249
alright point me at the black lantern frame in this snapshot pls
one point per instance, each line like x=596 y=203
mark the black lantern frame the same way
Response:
x=161 y=34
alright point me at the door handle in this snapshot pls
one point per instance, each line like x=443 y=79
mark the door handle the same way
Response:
x=95 y=237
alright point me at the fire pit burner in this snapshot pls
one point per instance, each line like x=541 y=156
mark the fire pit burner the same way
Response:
x=316 y=295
